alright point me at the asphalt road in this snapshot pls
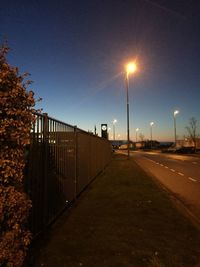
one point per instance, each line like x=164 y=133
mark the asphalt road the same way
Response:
x=180 y=174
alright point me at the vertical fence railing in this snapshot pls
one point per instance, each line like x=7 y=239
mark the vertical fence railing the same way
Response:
x=62 y=161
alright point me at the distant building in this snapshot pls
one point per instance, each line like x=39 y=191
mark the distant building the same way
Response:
x=125 y=145
x=147 y=144
x=121 y=144
x=187 y=142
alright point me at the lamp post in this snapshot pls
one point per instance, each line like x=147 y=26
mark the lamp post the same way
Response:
x=130 y=68
x=175 y=113
x=109 y=132
x=151 y=126
x=114 y=121
x=136 y=131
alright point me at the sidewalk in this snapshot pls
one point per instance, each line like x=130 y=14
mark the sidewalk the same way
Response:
x=122 y=220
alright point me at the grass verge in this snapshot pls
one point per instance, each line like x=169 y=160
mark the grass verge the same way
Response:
x=123 y=219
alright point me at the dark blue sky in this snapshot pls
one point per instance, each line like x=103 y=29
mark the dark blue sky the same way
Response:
x=76 y=51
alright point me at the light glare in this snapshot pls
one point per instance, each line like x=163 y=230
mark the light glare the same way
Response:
x=131 y=67
x=176 y=112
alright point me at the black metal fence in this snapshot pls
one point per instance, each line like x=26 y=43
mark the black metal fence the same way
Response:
x=62 y=160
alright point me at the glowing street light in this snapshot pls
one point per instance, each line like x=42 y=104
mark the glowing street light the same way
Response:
x=109 y=132
x=175 y=113
x=136 y=131
x=151 y=126
x=114 y=122
x=130 y=68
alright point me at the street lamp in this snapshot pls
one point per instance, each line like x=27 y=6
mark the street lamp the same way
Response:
x=114 y=121
x=136 y=131
x=175 y=113
x=130 y=68
x=109 y=132
x=151 y=125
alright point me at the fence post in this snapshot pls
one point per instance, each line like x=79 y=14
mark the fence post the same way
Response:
x=75 y=161
x=45 y=140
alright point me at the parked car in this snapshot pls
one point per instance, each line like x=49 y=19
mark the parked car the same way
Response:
x=185 y=150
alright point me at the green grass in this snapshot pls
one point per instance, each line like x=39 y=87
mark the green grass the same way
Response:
x=123 y=219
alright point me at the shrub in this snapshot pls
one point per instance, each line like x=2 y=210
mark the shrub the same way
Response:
x=16 y=115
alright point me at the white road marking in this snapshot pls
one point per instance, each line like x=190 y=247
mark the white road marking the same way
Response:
x=180 y=173
x=192 y=179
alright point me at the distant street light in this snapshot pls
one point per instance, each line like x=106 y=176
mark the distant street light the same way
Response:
x=151 y=126
x=130 y=68
x=136 y=131
x=175 y=113
x=109 y=132
x=114 y=121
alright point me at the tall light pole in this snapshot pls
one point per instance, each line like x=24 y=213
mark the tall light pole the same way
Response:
x=130 y=68
x=136 y=131
x=175 y=113
x=151 y=126
x=114 y=121
x=109 y=132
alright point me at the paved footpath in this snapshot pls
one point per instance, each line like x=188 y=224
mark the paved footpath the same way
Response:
x=121 y=220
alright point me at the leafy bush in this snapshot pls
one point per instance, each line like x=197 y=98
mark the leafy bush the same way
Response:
x=16 y=115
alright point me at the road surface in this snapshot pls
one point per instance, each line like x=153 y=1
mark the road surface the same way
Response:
x=180 y=174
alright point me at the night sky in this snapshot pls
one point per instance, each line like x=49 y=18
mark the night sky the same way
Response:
x=75 y=52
